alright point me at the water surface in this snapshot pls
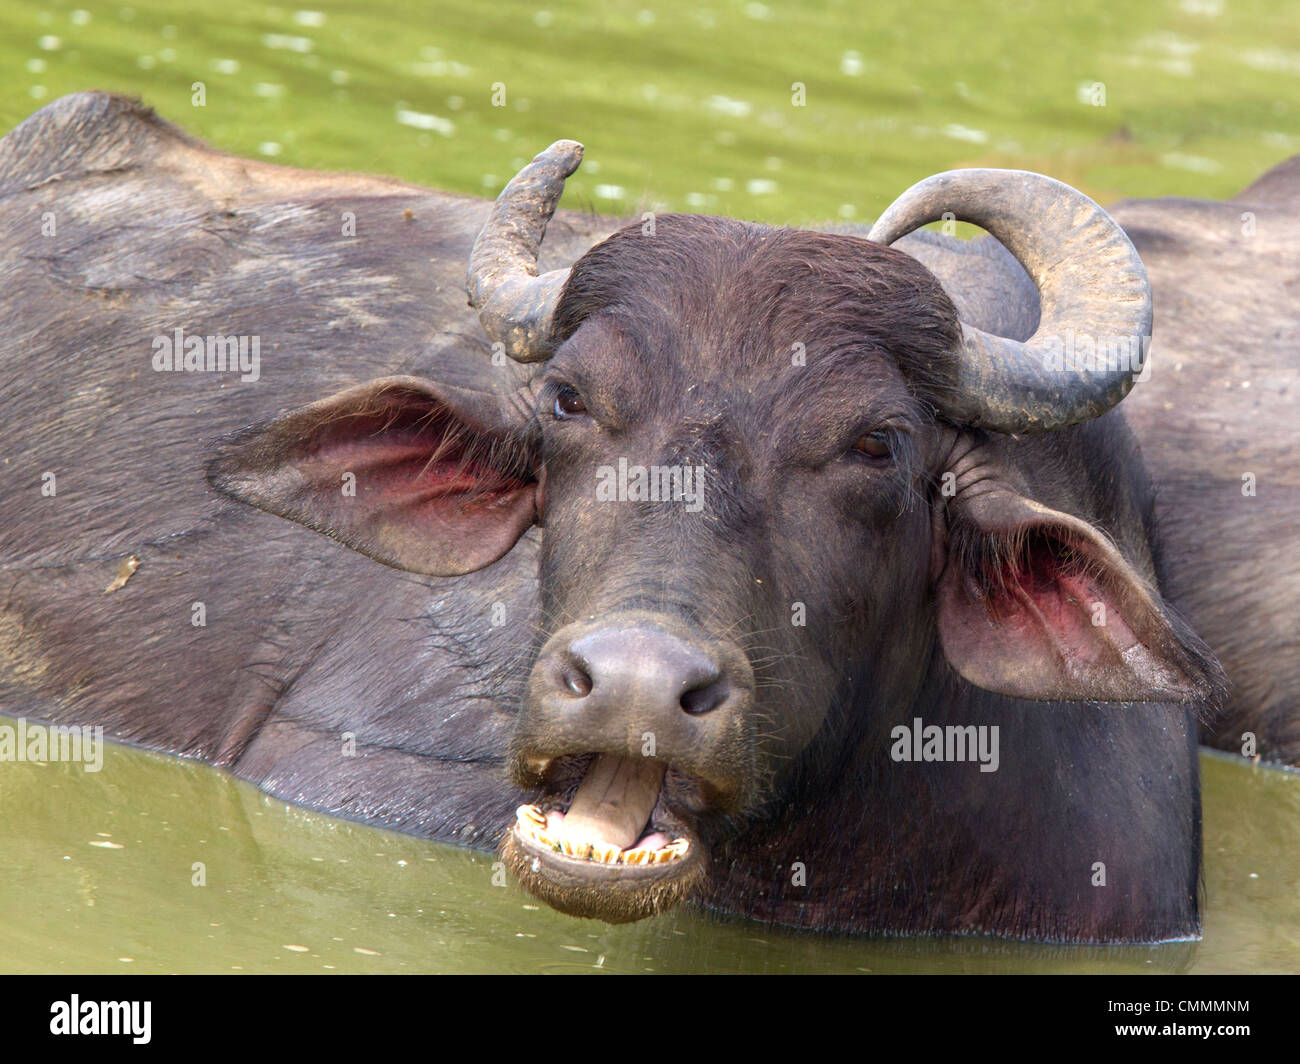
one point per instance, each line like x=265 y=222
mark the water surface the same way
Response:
x=99 y=876
x=691 y=105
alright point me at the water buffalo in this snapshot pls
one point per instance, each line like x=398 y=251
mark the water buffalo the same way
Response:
x=814 y=577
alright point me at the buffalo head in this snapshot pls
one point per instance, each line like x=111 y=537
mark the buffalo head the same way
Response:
x=777 y=480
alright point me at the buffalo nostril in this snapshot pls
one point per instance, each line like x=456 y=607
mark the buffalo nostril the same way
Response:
x=576 y=682
x=639 y=671
x=704 y=699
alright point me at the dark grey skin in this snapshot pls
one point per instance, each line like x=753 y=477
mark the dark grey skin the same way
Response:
x=307 y=640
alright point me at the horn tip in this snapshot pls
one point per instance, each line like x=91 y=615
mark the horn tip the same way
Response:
x=567 y=154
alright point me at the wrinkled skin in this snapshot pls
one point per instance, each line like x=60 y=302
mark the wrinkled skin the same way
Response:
x=437 y=676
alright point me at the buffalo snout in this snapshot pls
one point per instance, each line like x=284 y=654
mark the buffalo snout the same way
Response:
x=644 y=669
x=642 y=686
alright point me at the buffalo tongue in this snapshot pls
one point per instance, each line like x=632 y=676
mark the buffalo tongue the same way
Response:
x=614 y=800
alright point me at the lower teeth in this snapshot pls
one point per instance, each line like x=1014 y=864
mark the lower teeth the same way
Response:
x=531 y=821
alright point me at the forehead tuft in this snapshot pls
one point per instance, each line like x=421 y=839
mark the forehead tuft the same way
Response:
x=742 y=296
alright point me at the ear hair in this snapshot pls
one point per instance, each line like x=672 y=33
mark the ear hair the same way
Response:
x=1011 y=617
x=435 y=489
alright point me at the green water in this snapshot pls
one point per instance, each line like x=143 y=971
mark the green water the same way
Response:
x=99 y=876
x=690 y=106
x=682 y=106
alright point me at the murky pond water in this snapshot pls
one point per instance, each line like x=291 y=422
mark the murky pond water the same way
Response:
x=154 y=864
x=787 y=113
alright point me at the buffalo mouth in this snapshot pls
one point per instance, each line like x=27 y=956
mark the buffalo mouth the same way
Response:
x=605 y=840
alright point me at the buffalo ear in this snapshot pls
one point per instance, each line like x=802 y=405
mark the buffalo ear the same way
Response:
x=1038 y=604
x=406 y=473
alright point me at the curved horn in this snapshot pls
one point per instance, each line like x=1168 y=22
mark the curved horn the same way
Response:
x=513 y=303
x=1092 y=286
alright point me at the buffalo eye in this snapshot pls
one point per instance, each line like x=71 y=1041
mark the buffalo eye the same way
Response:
x=568 y=403
x=873 y=445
